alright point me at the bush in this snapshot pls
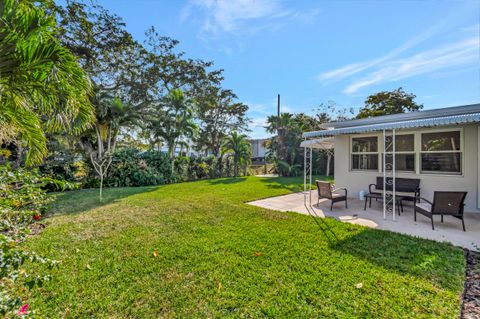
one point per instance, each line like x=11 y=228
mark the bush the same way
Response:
x=131 y=167
x=23 y=200
x=134 y=167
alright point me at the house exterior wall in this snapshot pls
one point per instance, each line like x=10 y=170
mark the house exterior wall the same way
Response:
x=469 y=181
x=258 y=150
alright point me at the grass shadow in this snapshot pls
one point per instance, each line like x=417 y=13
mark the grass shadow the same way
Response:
x=227 y=181
x=75 y=202
x=294 y=184
x=440 y=264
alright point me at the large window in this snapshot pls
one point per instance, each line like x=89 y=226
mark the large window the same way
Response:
x=441 y=152
x=404 y=153
x=365 y=153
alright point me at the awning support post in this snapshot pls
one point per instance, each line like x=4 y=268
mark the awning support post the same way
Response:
x=384 y=175
x=307 y=175
x=389 y=200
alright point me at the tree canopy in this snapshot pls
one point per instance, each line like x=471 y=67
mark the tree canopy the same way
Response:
x=43 y=88
x=389 y=102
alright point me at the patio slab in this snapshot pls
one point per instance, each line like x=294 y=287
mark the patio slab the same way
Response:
x=450 y=230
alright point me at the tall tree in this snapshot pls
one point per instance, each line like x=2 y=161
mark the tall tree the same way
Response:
x=389 y=102
x=285 y=127
x=112 y=115
x=119 y=70
x=42 y=87
x=171 y=70
x=174 y=121
x=219 y=115
x=240 y=148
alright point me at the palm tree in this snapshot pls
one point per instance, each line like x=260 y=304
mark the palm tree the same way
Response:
x=175 y=121
x=241 y=149
x=100 y=142
x=281 y=126
x=42 y=87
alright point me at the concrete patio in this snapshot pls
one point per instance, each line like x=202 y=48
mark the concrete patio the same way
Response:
x=450 y=230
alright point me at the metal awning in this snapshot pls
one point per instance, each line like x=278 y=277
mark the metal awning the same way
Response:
x=425 y=122
x=319 y=143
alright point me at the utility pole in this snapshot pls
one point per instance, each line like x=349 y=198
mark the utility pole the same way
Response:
x=278 y=105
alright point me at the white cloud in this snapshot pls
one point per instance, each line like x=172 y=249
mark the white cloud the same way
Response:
x=240 y=18
x=258 y=122
x=259 y=108
x=439 y=28
x=354 y=68
x=257 y=128
x=231 y=15
x=454 y=54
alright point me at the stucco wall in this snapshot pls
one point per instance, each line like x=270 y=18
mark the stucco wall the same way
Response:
x=468 y=181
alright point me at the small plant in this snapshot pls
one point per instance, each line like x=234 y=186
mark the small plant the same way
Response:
x=23 y=200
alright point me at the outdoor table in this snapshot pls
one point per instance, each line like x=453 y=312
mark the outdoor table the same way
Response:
x=398 y=201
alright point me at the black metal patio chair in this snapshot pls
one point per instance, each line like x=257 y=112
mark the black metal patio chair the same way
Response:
x=325 y=191
x=444 y=203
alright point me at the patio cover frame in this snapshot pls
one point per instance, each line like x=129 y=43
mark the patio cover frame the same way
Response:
x=388 y=139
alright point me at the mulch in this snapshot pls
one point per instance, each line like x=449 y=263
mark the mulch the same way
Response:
x=471 y=294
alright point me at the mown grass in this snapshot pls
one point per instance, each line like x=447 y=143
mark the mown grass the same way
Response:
x=196 y=250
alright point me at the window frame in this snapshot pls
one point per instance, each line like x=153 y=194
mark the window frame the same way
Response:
x=417 y=133
x=364 y=153
x=412 y=152
x=460 y=151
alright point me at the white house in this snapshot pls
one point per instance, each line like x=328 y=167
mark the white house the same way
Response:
x=440 y=147
x=258 y=148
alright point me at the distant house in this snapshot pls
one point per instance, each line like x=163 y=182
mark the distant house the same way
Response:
x=440 y=147
x=258 y=150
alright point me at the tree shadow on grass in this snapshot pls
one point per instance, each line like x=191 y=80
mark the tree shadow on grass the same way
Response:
x=294 y=184
x=75 y=202
x=439 y=263
x=226 y=181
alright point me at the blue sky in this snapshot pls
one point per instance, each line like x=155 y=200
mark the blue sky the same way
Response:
x=315 y=51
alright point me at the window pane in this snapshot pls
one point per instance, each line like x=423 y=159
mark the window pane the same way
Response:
x=364 y=144
x=403 y=162
x=442 y=162
x=403 y=143
x=441 y=141
x=365 y=161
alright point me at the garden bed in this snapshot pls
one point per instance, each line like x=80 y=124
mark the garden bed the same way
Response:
x=471 y=296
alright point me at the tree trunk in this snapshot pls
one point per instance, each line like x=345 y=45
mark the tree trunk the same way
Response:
x=101 y=187
x=235 y=166
x=18 y=159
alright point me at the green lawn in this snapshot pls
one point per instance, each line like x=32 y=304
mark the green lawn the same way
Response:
x=221 y=258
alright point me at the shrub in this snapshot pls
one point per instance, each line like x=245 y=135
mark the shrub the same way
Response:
x=131 y=167
x=134 y=167
x=23 y=200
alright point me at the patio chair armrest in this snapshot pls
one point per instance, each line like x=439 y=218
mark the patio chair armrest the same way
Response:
x=424 y=199
x=340 y=188
x=370 y=187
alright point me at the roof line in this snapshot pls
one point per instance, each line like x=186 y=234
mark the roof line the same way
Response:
x=416 y=115
x=414 y=123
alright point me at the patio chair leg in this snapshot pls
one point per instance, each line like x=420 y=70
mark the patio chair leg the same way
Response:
x=414 y=214
x=441 y=218
x=431 y=218
x=365 y=205
x=331 y=205
x=346 y=204
x=463 y=224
